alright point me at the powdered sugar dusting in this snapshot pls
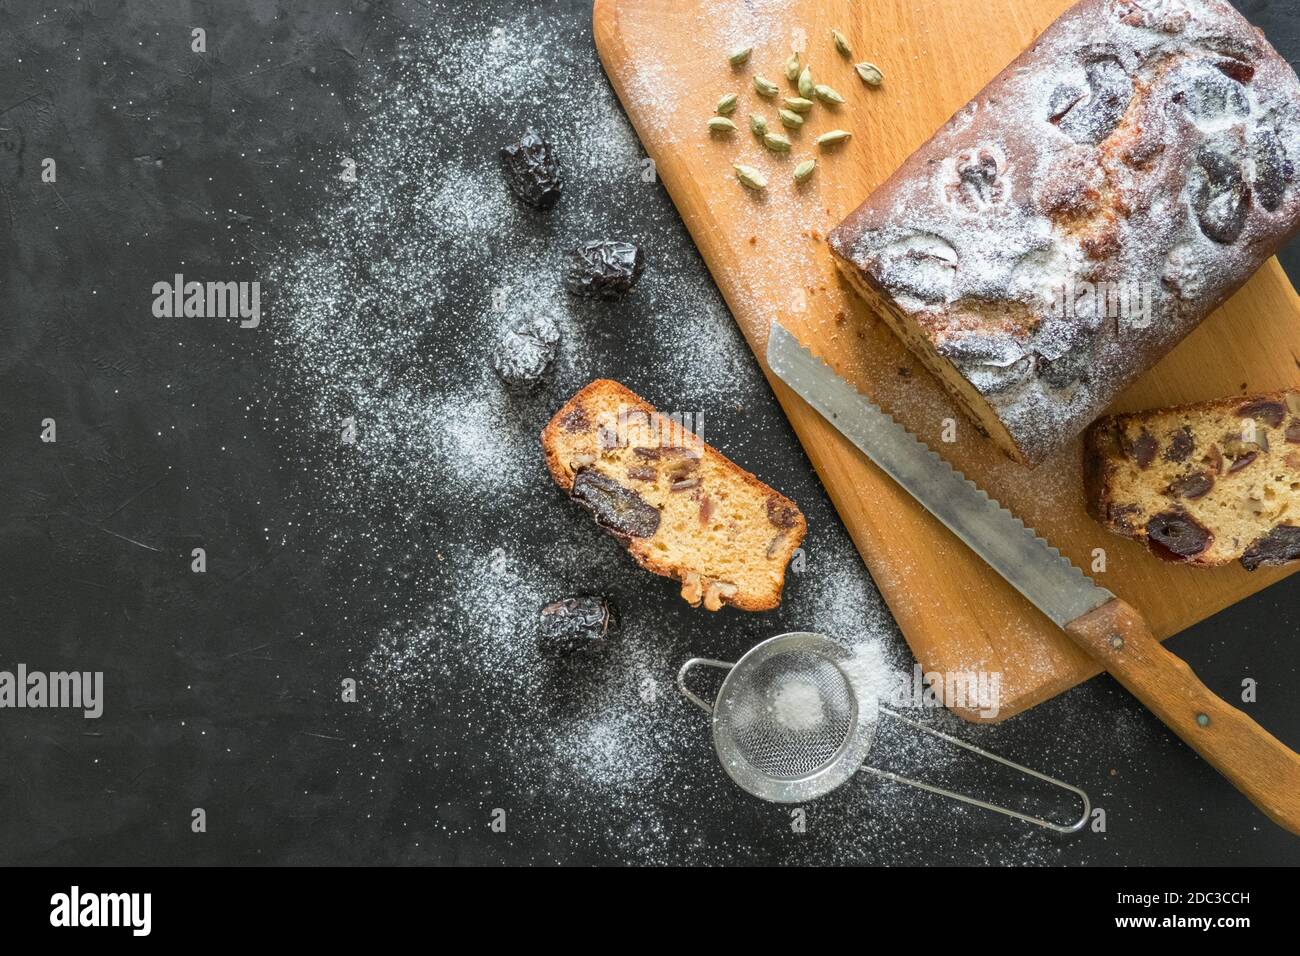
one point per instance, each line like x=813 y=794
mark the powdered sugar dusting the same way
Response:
x=798 y=706
x=1118 y=151
x=464 y=536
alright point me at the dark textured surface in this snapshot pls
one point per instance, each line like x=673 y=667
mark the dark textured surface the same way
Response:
x=222 y=686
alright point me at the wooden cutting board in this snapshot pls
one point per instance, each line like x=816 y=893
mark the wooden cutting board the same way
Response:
x=667 y=59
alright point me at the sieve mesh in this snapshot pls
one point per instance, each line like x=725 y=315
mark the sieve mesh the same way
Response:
x=795 y=717
x=790 y=714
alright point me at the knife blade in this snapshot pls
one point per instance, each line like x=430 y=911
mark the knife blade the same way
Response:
x=1112 y=632
x=1032 y=566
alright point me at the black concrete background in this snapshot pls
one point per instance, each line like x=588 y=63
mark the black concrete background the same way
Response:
x=172 y=162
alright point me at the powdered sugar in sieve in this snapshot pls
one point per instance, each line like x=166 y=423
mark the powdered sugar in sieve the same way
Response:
x=795 y=716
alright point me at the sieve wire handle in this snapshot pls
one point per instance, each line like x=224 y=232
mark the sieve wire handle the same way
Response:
x=1058 y=827
x=690 y=694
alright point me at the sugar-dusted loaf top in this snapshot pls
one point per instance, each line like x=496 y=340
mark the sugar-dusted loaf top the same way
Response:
x=1146 y=147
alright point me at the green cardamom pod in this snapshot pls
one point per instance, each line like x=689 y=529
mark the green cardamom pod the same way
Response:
x=798 y=104
x=806 y=85
x=826 y=94
x=720 y=124
x=740 y=55
x=776 y=143
x=841 y=43
x=804 y=170
x=833 y=137
x=790 y=119
x=764 y=86
x=792 y=68
x=870 y=74
x=727 y=105
x=750 y=177
x=758 y=125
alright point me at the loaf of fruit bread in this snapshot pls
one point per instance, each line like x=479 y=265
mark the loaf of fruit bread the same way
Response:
x=1207 y=484
x=682 y=509
x=1079 y=217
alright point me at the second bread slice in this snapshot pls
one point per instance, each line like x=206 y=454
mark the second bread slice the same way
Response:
x=682 y=509
x=1207 y=484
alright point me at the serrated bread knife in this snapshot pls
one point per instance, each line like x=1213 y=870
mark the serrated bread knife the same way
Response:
x=1110 y=631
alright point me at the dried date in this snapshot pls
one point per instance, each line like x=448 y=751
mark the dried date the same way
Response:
x=1265 y=410
x=1279 y=546
x=620 y=511
x=525 y=353
x=1142 y=449
x=576 y=624
x=1177 y=536
x=1193 y=486
x=532 y=171
x=1091 y=115
x=604 y=269
x=1215 y=96
x=1220 y=195
x=1273 y=170
x=1180 y=446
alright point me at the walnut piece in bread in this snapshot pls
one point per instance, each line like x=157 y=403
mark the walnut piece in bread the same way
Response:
x=682 y=509
x=1207 y=484
x=1084 y=213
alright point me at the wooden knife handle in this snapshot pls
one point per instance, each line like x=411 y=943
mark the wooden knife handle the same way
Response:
x=1256 y=762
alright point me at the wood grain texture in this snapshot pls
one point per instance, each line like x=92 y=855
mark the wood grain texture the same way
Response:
x=1252 y=759
x=767 y=252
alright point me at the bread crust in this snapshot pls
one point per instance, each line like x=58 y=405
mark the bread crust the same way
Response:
x=1142 y=147
x=576 y=425
x=1099 y=448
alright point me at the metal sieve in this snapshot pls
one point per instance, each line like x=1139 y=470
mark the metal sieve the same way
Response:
x=795 y=717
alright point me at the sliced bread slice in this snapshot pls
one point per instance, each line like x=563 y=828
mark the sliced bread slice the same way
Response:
x=682 y=509
x=1206 y=484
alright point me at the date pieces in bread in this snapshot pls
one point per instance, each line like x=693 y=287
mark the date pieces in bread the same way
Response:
x=681 y=508
x=1207 y=484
